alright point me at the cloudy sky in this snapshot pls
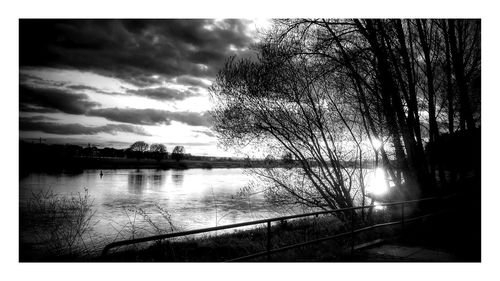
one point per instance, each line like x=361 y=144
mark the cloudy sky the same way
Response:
x=114 y=82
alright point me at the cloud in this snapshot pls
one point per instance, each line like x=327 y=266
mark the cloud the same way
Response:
x=37 y=109
x=136 y=51
x=51 y=100
x=83 y=87
x=151 y=116
x=28 y=79
x=162 y=93
x=31 y=124
x=133 y=116
x=191 y=81
x=207 y=133
x=191 y=118
x=79 y=88
x=37 y=118
x=44 y=100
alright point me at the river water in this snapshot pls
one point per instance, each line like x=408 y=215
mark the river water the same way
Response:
x=192 y=198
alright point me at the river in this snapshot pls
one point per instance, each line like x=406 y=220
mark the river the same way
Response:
x=194 y=198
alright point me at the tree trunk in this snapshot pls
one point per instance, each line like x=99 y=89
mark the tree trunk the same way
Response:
x=466 y=120
x=433 y=129
x=414 y=166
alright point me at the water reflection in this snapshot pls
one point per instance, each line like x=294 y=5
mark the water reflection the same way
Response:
x=178 y=177
x=377 y=183
x=195 y=198
x=158 y=180
x=136 y=182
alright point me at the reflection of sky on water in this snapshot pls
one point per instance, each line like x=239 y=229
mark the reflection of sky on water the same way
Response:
x=194 y=198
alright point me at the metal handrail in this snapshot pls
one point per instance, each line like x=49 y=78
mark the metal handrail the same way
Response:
x=262 y=221
x=331 y=237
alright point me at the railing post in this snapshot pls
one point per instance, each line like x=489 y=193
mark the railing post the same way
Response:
x=403 y=220
x=268 y=240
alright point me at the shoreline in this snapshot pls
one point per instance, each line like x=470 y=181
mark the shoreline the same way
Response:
x=78 y=164
x=72 y=165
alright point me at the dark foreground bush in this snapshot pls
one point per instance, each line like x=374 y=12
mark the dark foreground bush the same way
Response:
x=55 y=227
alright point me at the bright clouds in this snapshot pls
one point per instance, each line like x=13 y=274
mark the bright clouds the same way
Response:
x=118 y=81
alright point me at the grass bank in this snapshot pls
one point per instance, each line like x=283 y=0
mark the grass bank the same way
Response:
x=217 y=247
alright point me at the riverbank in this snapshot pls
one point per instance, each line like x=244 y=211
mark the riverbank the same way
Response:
x=222 y=246
x=217 y=247
x=226 y=246
x=444 y=233
x=78 y=164
x=127 y=163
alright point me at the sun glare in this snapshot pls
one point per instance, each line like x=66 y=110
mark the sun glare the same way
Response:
x=377 y=184
x=377 y=144
x=378 y=206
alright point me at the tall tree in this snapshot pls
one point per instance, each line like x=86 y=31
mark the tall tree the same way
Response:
x=321 y=83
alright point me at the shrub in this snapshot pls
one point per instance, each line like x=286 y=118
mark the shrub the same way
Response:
x=57 y=224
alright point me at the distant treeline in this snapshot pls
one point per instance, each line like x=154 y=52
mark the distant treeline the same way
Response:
x=34 y=149
x=69 y=158
x=37 y=156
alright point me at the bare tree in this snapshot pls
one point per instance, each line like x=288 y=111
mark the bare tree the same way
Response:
x=285 y=102
x=323 y=89
x=178 y=153
x=138 y=148
x=158 y=150
x=394 y=68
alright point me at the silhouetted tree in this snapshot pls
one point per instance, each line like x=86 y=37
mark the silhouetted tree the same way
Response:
x=178 y=153
x=399 y=72
x=137 y=149
x=158 y=150
x=283 y=102
x=320 y=88
x=90 y=151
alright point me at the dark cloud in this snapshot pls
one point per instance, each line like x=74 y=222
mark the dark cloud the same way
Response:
x=132 y=115
x=191 y=81
x=36 y=118
x=79 y=140
x=37 y=109
x=191 y=118
x=83 y=87
x=151 y=116
x=162 y=93
x=43 y=100
x=31 y=124
x=50 y=100
x=133 y=50
x=25 y=78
